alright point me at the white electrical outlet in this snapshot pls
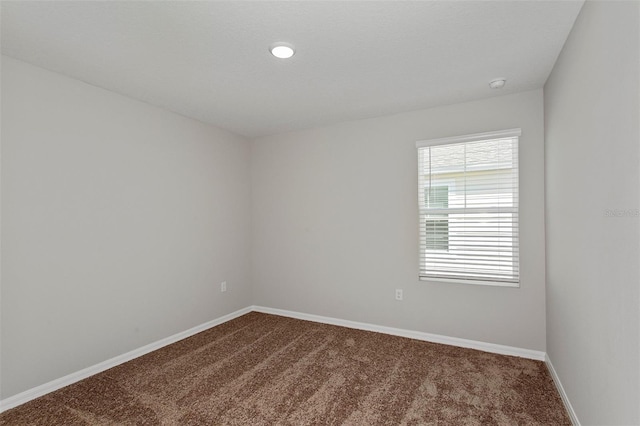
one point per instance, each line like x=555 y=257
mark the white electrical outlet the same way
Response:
x=398 y=294
x=223 y=286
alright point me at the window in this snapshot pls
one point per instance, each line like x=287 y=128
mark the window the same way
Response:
x=468 y=207
x=437 y=225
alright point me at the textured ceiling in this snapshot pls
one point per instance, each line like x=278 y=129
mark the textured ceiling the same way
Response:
x=210 y=60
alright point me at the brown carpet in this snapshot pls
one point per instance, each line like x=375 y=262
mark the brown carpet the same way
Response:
x=264 y=369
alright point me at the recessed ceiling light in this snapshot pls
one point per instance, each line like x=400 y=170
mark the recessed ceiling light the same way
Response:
x=497 y=83
x=282 y=50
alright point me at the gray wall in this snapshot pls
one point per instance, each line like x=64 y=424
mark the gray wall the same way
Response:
x=119 y=220
x=335 y=225
x=592 y=137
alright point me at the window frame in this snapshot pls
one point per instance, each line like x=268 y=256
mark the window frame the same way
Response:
x=476 y=137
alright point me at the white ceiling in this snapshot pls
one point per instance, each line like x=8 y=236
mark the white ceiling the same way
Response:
x=210 y=60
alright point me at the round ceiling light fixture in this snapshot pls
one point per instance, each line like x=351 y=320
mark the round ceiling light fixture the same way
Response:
x=282 y=50
x=497 y=83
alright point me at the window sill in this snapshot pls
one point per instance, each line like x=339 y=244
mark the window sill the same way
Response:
x=470 y=282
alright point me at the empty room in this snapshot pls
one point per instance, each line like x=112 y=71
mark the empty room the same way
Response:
x=320 y=212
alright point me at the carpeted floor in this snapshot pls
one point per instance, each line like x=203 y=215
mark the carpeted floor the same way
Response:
x=263 y=370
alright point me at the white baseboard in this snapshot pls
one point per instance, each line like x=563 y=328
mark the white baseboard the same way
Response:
x=53 y=385
x=418 y=335
x=563 y=394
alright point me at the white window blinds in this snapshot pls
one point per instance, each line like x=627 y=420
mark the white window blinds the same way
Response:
x=468 y=201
